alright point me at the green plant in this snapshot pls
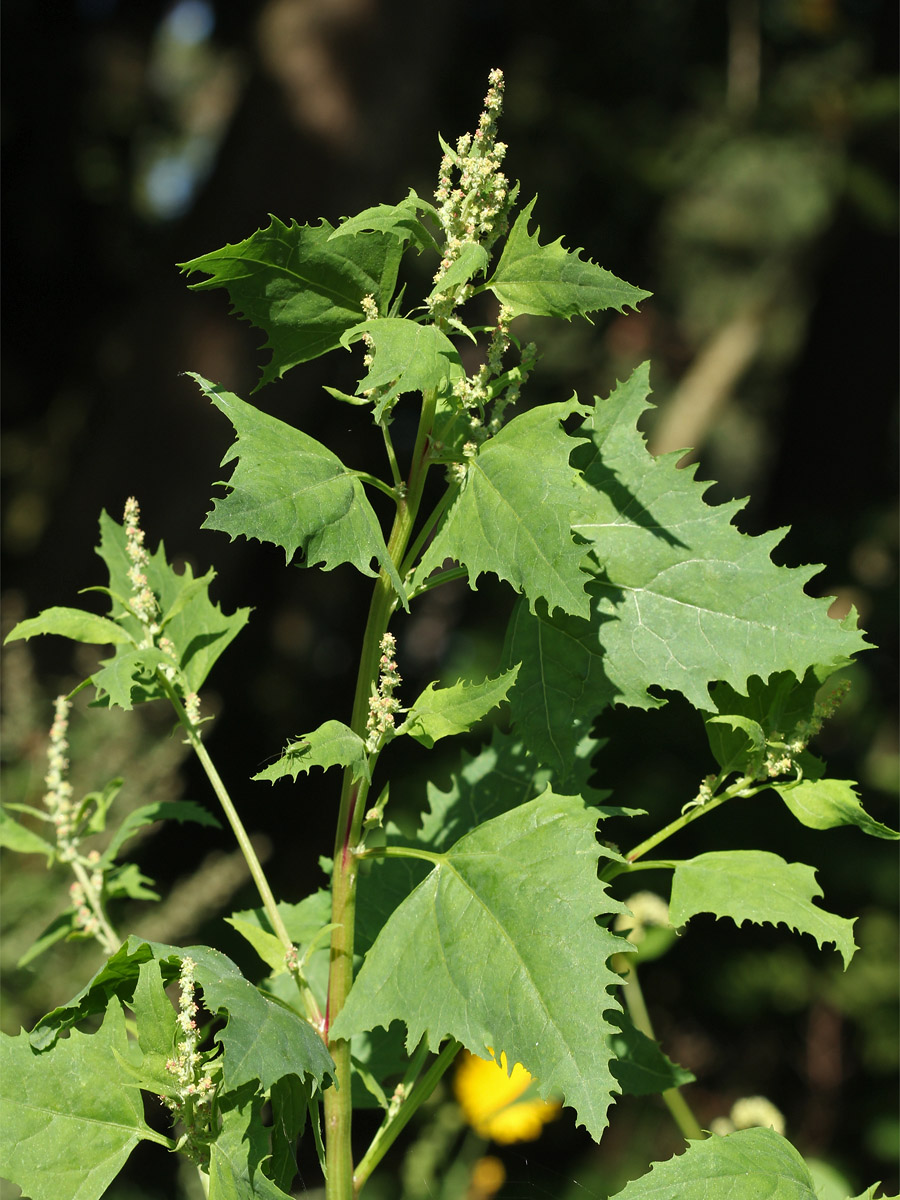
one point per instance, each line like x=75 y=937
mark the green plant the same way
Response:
x=496 y=925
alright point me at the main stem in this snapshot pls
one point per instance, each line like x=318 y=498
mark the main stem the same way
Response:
x=338 y=1104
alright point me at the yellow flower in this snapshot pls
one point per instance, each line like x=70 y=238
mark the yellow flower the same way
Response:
x=500 y=1106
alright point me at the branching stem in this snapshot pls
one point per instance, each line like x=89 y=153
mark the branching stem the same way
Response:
x=338 y=1103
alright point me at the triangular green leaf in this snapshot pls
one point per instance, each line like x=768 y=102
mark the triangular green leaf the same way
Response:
x=754 y=885
x=407 y=357
x=747 y=1165
x=827 y=803
x=69 y=1124
x=331 y=745
x=680 y=599
x=516 y=523
x=549 y=281
x=72 y=623
x=301 y=285
x=290 y=490
x=445 y=712
x=464 y=957
x=692 y=599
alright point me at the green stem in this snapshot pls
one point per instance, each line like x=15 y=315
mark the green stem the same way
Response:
x=337 y=1100
x=428 y=528
x=311 y=1008
x=392 y=459
x=741 y=788
x=105 y=935
x=375 y=482
x=395 y=1122
x=437 y=579
x=640 y=1018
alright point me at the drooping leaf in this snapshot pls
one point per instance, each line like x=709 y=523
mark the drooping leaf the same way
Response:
x=60 y=927
x=333 y=744
x=303 y=285
x=757 y=886
x=72 y=623
x=747 y=1165
x=550 y=281
x=290 y=490
x=827 y=803
x=467 y=956
x=516 y=523
x=157 y=1029
x=69 y=1121
x=289 y=1098
x=680 y=598
x=407 y=357
x=399 y=220
x=444 y=712
x=242 y=1146
x=15 y=836
x=638 y=1063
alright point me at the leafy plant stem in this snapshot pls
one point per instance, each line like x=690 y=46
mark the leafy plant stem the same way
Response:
x=637 y=1010
x=338 y=1102
x=740 y=788
x=395 y=1122
x=246 y=848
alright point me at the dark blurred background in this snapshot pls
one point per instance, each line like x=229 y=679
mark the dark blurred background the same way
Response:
x=736 y=157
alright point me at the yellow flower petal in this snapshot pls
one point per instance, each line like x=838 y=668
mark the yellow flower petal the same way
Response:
x=495 y=1103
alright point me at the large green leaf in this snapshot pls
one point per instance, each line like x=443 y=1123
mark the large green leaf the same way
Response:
x=680 y=598
x=333 y=744
x=302 y=285
x=499 y=947
x=70 y=1121
x=752 y=1164
x=290 y=490
x=754 y=885
x=549 y=281
x=406 y=357
x=515 y=521
x=445 y=712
